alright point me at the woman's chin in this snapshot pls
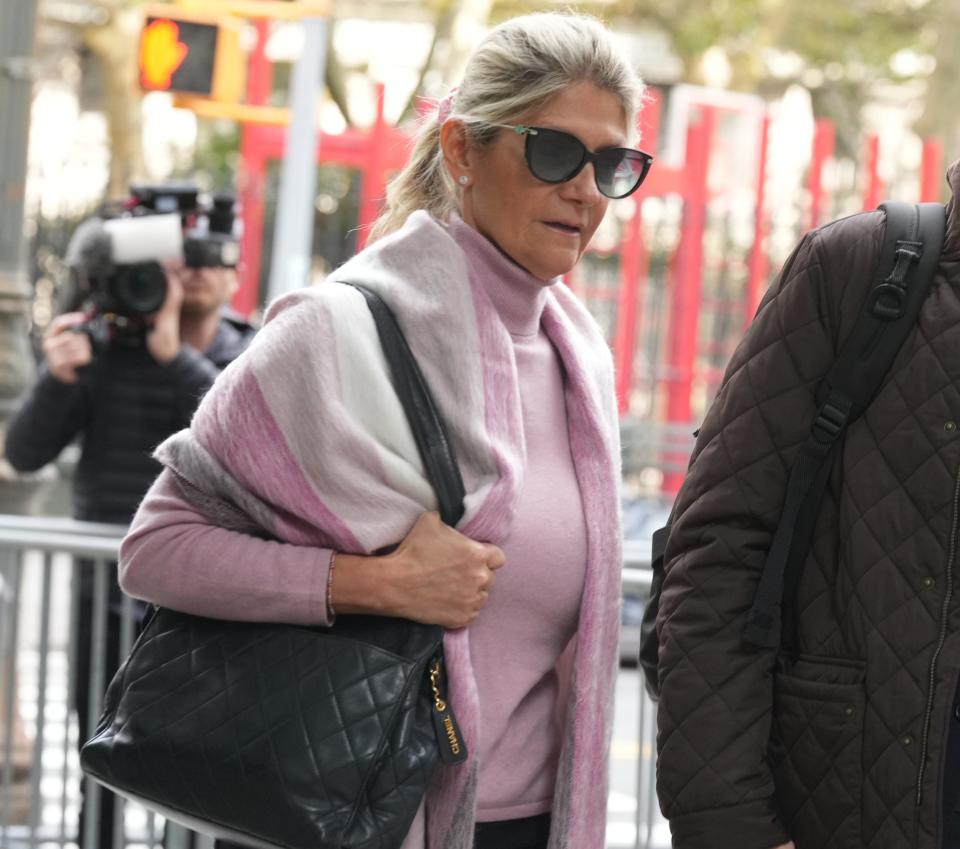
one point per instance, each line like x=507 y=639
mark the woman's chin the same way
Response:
x=559 y=266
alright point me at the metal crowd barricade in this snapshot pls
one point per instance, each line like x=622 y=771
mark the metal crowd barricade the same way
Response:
x=40 y=799
x=652 y=830
x=664 y=446
x=39 y=765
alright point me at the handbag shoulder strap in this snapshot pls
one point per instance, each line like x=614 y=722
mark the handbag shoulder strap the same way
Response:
x=429 y=430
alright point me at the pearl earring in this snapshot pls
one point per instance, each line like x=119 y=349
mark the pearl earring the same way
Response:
x=463 y=179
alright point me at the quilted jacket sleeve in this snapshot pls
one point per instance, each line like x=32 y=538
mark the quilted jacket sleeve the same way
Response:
x=716 y=692
x=51 y=414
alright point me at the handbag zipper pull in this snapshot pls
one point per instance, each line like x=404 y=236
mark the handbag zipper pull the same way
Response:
x=453 y=750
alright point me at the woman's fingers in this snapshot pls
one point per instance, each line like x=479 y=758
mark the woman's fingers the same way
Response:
x=448 y=576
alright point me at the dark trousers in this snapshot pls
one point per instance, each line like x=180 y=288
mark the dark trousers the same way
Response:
x=526 y=833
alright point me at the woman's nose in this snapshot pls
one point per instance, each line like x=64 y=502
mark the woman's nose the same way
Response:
x=583 y=187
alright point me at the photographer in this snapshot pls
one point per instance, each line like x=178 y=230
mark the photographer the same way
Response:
x=125 y=375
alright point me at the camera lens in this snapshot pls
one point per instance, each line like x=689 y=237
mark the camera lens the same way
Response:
x=139 y=289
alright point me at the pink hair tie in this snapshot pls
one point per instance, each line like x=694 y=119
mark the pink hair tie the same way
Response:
x=445 y=106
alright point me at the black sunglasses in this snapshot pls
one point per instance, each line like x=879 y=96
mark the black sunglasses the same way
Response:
x=554 y=156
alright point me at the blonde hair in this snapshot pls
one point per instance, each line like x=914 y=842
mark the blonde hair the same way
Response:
x=512 y=73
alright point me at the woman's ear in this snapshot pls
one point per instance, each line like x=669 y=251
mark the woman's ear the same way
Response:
x=457 y=151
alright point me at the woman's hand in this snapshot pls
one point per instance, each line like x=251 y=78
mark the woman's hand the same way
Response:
x=790 y=845
x=436 y=576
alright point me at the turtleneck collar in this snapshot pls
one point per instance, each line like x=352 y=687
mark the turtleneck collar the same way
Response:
x=517 y=295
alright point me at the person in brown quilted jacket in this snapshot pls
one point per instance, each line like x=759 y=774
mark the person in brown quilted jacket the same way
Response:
x=854 y=744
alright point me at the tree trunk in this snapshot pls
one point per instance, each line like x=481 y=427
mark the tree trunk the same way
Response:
x=115 y=45
x=940 y=116
x=468 y=17
x=334 y=76
x=454 y=35
x=442 y=28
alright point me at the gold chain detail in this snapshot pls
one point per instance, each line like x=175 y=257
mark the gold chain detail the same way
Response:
x=438 y=701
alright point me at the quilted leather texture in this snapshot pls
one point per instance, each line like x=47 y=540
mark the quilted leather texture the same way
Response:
x=843 y=749
x=290 y=736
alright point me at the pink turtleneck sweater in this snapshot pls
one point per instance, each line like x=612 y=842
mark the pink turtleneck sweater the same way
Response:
x=174 y=557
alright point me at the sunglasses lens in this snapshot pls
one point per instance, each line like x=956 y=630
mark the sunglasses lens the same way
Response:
x=619 y=172
x=554 y=156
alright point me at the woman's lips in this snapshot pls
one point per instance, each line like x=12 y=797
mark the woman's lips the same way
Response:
x=565 y=229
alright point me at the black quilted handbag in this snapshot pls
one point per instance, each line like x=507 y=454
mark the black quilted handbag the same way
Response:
x=286 y=736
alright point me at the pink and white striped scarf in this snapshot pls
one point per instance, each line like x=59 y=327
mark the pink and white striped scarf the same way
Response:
x=303 y=439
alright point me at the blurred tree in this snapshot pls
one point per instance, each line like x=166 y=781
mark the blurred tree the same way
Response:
x=213 y=165
x=834 y=48
x=692 y=25
x=844 y=49
x=335 y=76
x=855 y=33
x=941 y=117
x=115 y=43
x=864 y=33
x=110 y=31
x=454 y=31
x=444 y=16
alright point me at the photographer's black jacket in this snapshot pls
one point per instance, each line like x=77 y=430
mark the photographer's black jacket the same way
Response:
x=123 y=405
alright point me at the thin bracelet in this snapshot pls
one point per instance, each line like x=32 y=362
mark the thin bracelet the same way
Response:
x=331 y=613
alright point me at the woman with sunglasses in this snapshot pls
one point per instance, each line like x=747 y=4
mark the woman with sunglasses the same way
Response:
x=508 y=181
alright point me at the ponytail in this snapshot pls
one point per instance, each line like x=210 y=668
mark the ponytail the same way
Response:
x=423 y=184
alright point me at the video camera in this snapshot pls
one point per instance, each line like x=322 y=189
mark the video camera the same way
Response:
x=116 y=257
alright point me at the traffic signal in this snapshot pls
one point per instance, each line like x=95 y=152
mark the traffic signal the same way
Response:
x=190 y=53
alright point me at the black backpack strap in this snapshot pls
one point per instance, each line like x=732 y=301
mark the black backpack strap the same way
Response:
x=649 y=654
x=913 y=238
x=658 y=545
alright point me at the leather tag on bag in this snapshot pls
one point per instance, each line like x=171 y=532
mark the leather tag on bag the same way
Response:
x=453 y=749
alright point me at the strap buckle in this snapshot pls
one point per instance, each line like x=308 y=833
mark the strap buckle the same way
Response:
x=911 y=251
x=830 y=421
x=889 y=301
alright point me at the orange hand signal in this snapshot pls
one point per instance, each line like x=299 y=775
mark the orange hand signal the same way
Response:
x=161 y=54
